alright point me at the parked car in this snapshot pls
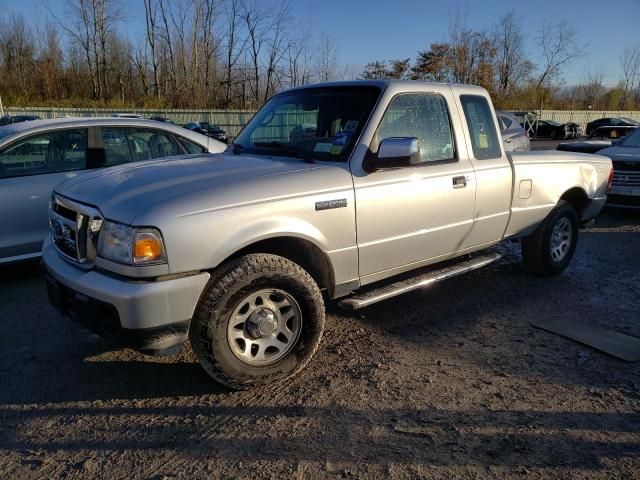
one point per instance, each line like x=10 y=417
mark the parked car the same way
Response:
x=601 y=137
x=625 y=154
x=611 y=122
x=555 y=130
x=161 y=119
x=514 y=136
x=35 y=156
x=206 y=128
x=9 y=119
x=234 y=252
x=127 y=115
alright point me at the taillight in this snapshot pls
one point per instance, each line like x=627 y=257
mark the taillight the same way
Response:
x=610 y=180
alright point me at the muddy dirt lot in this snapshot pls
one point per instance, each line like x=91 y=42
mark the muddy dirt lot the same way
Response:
x=450 y=382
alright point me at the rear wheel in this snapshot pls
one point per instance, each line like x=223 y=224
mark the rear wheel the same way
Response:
x=260 y=320
x=549 y=249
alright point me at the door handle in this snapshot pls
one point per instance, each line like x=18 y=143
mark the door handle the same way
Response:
x=460 y=182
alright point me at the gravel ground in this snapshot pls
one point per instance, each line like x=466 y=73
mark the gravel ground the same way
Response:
x=449 y=382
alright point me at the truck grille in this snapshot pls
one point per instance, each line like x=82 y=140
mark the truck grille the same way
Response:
x=626 y=166
x=74 y=229
x=626 y=178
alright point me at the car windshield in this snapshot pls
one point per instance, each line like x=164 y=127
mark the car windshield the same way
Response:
x=551 y=122
x=313 y=123
x=632 y=140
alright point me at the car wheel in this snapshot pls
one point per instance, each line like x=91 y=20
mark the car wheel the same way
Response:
x=549 y=249
x=260 y=319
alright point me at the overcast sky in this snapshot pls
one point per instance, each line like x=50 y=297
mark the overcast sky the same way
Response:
x=367 y=30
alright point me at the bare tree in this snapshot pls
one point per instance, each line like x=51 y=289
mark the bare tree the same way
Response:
x=140 y=60
x=298 y=53
x=233 y=45
x=276 y=44
x=151 y=21
x=593 y=88
x=17 y=50
x=512 y=65
x=50 y=60
x=165 y=33
x=558 y=47
x=255 y=19
x=210 y=44
x=630 y=63
x=327 y=59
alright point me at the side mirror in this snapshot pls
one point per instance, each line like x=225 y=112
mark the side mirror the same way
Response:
x=396 y=152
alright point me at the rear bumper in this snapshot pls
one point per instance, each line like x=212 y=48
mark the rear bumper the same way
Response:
x=146 y=315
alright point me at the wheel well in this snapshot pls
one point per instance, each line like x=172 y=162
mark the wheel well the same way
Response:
x=578 y=198
x=306 y=254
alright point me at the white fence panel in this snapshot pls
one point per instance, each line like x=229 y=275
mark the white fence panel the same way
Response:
x=233 y=120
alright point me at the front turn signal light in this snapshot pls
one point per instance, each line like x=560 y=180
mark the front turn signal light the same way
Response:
x=147 y=247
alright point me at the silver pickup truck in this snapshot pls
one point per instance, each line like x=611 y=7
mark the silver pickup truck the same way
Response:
x=353 y=191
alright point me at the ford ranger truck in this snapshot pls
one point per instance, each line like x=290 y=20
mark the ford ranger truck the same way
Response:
x=351 y=191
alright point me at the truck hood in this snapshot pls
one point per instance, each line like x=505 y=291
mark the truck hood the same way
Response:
x=622 y=154
x=124 y=193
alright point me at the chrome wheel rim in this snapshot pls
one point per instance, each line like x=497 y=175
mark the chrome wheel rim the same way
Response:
x=561 y=237
x=264 y=326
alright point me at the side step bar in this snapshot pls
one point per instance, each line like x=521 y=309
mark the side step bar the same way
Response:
x=398 y=288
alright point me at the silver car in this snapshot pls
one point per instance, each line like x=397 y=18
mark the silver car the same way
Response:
x=514 y=137
x=37 y=155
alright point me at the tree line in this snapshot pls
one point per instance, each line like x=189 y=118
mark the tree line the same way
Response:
x=497 y=59
x=225 y=54
x=191 y=54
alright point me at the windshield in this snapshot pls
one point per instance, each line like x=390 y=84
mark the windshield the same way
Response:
x=629 y=120
x=632 y=140
x=551 y=122
x=313 y=124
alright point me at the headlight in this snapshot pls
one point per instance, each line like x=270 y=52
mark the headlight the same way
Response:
x=125 y=244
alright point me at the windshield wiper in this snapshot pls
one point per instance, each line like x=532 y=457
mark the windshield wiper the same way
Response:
x=285 y=147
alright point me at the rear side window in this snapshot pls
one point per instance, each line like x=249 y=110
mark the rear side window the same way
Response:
x=116 y=146
x=190 y=146
x=484 y=138
x=57 y=151
x=124 y=145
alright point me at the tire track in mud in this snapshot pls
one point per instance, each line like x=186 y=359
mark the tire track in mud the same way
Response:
x=336 y=331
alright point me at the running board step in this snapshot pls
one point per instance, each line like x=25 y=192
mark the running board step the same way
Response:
x=398 y=288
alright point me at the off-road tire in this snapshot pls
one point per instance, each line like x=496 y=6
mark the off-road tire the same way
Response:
x=229 y=284
x=536 y=248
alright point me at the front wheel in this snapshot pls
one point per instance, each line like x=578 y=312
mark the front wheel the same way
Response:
x=260 y=319
x=548 y=250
